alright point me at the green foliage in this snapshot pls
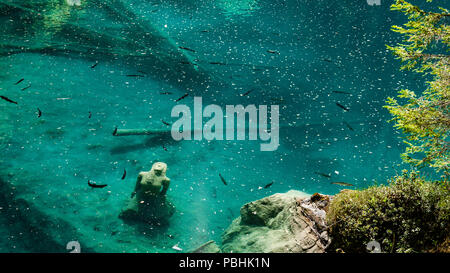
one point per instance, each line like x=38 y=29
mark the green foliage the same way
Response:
x=425 y=119
x=409 y=215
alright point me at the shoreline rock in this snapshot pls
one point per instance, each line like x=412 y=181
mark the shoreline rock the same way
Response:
x=291 y=222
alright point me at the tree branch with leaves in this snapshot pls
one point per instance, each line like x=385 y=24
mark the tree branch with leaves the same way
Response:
x=424 y=119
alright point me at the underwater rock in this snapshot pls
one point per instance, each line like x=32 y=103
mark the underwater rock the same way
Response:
x=29 y=228
x=148 y=201
x=208 y=247
x=291 y=222
x=73 y=2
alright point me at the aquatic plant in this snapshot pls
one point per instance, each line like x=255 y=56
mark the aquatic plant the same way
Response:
x=408 y=215
x=425 y=119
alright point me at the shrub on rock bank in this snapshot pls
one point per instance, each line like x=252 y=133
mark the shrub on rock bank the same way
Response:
x=409 y=215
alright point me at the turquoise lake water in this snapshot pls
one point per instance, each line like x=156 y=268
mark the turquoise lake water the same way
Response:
x=75 y=60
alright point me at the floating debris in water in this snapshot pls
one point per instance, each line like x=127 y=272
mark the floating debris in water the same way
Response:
x=39 y=113
x=166 y=123
x=176 y=247
x=343 y=184
x=94 y=65
x=223 y=179
x=115 y=131
x=63 y=98
x=170 y=236
x=165 y=93
x=135 y=75
x=323 y=174
x=8 y=100
x=327 y=60
x=268 y=185
x=90 y=114
x=94 y=185
x=124 y=174
x=342 y=106
x=182 y=97
x=164 y=147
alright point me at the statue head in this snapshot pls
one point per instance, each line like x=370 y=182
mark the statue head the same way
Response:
x=159 y=168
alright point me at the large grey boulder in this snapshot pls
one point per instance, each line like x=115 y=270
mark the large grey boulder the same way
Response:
x=291 y=222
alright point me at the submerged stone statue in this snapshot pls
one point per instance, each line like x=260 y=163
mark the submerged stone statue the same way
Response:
x=148 y=201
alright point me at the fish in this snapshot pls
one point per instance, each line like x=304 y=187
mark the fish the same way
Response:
x=166 y=123
x=170 y=236
x=90 y=114
x=277 y=100
x=342 y=106
x=273 y=51
x=8 y=100
x=25 y=88
x=124 y=174
x=142 y=72
x=115 y=131
x=204 y=31
x=94 y=65
x=39 y=113
x=219 y=63
x=323 y=174
x=341 y=92
x=268 y=185
x=135 y=75
x=19 y=81
x=182 y=97
x=166 y=93
x=186 y=48
x=246 y=93
x=93 y=185
x=348 y=126
x=327 y=60
x=231 y=212
x=223 y=179
x=343 y=184
x=164 y=147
